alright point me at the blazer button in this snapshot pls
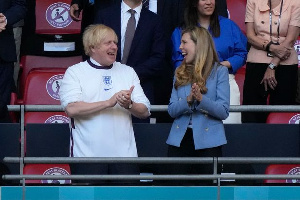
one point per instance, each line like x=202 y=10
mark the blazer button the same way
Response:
x=179 y=99
x=206 y=129
x=177 y=126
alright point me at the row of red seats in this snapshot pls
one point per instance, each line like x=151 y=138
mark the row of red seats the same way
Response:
x=40 y=78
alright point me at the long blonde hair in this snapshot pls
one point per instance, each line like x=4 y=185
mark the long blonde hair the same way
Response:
x=205 y=58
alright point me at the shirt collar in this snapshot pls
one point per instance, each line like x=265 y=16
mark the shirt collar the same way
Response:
x=125 y=8
x=93 y=63
x=263 y=6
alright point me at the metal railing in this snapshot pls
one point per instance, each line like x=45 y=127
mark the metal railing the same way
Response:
x=152 y=160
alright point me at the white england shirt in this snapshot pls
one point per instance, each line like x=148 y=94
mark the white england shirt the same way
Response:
x=108 y=133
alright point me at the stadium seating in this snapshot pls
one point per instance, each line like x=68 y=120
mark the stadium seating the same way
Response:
x=284 y=169
x=47 y=169
x=30 y=62
x=42 y=87
x=52 y=17
x=236 y=12
x=47 y=140
x=46 y=117
x=283 y=118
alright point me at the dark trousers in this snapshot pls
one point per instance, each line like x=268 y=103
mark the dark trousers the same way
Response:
x=187 y=149
x=6 y=83
x=254 y=93
x=105 y=169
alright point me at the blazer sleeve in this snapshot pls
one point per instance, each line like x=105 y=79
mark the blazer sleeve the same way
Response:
x=16 y=12
x=219 y=107
x=178 y=103
x=238 y=59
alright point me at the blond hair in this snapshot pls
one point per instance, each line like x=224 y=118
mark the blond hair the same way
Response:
x=94 y=35
x=205 y=58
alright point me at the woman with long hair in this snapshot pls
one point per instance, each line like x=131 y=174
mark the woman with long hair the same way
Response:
x=199 y=102
x=230 y=43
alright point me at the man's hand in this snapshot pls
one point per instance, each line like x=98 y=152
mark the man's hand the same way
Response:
x=124 y=97
x=3 y=22
x=75 y=12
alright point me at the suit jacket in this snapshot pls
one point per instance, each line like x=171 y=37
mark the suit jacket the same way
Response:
x=148 y=46
x=14 y=10
x=90 y=10
x=206 y=116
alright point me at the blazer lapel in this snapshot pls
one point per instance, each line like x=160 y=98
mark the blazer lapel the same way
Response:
x=141 y=27
x=116 y=26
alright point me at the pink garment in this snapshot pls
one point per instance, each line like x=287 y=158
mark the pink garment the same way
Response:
x=257 y=11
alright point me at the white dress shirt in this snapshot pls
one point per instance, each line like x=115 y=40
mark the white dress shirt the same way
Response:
x=125 y=15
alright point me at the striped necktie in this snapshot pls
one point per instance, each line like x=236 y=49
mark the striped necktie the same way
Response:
x=130 y=30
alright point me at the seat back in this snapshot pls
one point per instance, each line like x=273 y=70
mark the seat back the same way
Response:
x=30 y=62
x=236 y=12
x=42 y=87
x=292 y=169
x=47 y=169
x=46 y=117
x=283 y=118
x=52 y=17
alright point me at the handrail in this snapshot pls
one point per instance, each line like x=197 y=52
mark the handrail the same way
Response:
x=152 y=177
x=155 y=160
x=161 y=108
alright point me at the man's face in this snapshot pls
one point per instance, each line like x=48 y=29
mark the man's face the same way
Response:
x=105 y=53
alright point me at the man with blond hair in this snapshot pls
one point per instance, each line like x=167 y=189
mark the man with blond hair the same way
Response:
x=100 y=95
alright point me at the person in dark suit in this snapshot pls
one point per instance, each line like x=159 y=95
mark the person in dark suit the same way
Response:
x=88 y=8
x=11 y=11
x=148 y=45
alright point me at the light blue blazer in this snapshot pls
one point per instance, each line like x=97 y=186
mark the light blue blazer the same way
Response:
x=206 y=117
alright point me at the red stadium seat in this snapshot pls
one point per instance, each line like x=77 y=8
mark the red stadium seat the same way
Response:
x=52 y=17
x=283 y=118
x=236 y=12
x=47 y=169
x=292 y=169
x=240 y=78
x=30 y=62
x=46 y=117
x=42 y=87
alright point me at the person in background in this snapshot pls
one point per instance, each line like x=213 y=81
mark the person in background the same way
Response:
x=11 y=11
x=199 y=102
x=273 y=26
x=230 y=43
x=100 y=95
x=89 y=8
x=146 y=52
x=17 y=28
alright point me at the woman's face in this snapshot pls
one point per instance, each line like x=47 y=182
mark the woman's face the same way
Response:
x=188 y=48
x=206 y=7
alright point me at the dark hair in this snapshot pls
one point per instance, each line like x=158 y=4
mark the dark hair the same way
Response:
x=191 y=17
